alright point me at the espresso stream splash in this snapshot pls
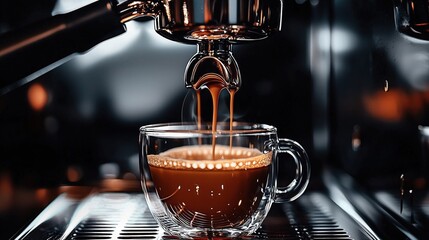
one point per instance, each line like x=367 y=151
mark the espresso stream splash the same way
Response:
x=211 y=186
x=215 y=86
x=227 y=158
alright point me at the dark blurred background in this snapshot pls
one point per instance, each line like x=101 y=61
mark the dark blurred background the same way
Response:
x=338 y=78
x=78 y=124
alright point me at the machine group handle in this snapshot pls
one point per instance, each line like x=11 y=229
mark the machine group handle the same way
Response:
x=30 y=49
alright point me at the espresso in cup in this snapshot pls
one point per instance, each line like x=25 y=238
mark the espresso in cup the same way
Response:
x=204 y=184
x=205 y=193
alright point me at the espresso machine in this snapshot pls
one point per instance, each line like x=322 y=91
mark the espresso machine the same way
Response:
x=346 y=79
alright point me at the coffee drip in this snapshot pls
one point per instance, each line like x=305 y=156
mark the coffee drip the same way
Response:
x=214 y=68
x=214 y=26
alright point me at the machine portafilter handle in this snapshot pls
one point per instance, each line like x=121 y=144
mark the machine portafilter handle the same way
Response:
x=28 y=52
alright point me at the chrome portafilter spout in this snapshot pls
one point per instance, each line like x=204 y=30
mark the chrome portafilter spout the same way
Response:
x=213 y=63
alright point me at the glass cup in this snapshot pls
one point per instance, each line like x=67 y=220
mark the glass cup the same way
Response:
x=200 y=183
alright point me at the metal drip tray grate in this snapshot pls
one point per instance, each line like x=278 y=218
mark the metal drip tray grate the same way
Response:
x=113 y=217
x=126 y=216
x=310 y=217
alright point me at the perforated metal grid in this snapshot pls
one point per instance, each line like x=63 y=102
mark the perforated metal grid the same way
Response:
x=126 y=216
x=118 y=216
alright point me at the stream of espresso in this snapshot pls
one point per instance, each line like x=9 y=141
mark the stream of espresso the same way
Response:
x=209 y=186
x=215 y=88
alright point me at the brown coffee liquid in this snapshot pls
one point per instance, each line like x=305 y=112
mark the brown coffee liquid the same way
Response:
x=231 y=112
x=211 y=186
x=210 y=193
x=215 y=86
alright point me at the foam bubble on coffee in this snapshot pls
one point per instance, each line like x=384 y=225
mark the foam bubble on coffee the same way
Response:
x=199 y=158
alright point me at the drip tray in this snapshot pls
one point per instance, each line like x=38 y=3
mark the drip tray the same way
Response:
x=126 y=216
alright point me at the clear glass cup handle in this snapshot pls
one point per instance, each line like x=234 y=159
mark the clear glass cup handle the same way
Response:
x=302 y=173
